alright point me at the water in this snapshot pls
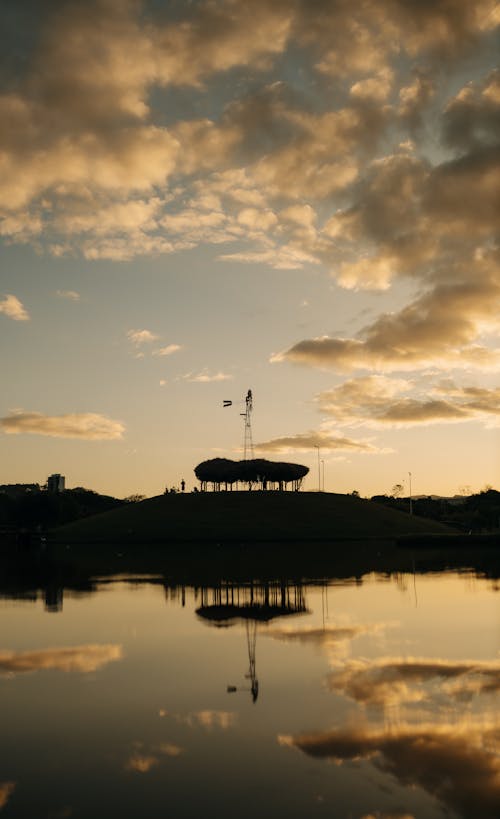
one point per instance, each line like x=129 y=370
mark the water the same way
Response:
x=341 y=698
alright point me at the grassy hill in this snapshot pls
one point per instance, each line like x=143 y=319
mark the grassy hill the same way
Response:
x=245 y=517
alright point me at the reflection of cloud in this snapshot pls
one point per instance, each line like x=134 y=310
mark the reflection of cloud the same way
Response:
x=143 y=762
x=11 y=306
x=6 y=789
x=459 y=765
x=208 y=719
x=388 y=681
x=322 y=636
x=84 y=659
x=385 y=815
x=333 y=640
x=169 y=749
x=89 y=425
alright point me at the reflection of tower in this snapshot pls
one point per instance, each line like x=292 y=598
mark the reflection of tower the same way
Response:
x=247 y=440
x=253 y=603
x=252 y=672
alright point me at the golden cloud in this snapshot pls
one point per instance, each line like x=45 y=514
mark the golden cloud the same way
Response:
x=440 y=327
x=168 y=350
x=139 y=337
x=205 y=377
x=87 y=425
x=311 y=440
x=379 y=401
x=11 y=306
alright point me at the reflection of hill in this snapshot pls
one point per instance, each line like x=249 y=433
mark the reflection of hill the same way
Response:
x=35 y=575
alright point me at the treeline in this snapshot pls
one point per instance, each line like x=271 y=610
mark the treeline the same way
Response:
x=476 y=513
x=31 y=509
x=224 y=473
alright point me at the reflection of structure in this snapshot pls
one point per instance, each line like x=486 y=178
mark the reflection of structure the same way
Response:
x=253 y=603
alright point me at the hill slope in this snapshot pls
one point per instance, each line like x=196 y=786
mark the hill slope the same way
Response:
x=227 y=517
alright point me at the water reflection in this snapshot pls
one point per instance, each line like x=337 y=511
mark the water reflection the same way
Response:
x=253 y=603
x=83 y=659
x=459 y=765
x=355 y=702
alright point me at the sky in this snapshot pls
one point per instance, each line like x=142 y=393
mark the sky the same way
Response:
x=297 y=197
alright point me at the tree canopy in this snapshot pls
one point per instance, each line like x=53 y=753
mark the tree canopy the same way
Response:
x=263 y=473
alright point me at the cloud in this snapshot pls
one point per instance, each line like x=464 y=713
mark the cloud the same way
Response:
x=379 y=401
x=71 y=295
x=205 y=377
x=88 y=425
x=168 y=350
x=83 y=659
x=6 y=791
x=457 y=765
x=439 y=328
x=12 y=307
x=311 y=440
x=472 y=118
x=139 y=337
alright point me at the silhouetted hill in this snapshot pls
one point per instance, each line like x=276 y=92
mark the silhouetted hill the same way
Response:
x=239 y=517
x=26 y=506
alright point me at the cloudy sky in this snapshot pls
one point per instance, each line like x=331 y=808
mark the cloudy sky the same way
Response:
x=301 y=197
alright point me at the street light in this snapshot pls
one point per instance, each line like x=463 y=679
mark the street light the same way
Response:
x=323 y=470
x=316 y=446
x=411 y=499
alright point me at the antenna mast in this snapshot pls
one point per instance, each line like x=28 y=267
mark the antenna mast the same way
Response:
x=247 y=439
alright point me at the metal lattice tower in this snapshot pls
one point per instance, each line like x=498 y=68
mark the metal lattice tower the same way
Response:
x=247 y=439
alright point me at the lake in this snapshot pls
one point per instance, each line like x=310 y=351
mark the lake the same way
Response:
x=372 y=697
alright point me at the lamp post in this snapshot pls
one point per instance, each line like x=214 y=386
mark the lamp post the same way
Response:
x=323 y=474
x=411 y=499
x=316 y=446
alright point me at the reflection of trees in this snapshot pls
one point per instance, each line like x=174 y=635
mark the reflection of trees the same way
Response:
x=261 y=601
x=260 y=472
x=254 y=602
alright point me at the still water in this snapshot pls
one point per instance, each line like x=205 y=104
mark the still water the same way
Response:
x=375 y=697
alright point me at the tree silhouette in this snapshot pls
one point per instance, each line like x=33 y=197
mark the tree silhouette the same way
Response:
x=256 y=472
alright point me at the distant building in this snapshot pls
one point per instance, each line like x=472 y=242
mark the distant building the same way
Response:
x=56 y=483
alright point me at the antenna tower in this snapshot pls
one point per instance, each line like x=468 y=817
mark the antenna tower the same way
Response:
x=247 y=439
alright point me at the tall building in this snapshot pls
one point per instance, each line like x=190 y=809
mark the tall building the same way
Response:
x=56 y=483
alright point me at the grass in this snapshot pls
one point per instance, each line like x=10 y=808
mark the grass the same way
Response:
x=245 y=517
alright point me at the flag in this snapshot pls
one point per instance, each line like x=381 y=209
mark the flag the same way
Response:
x=227 y=403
